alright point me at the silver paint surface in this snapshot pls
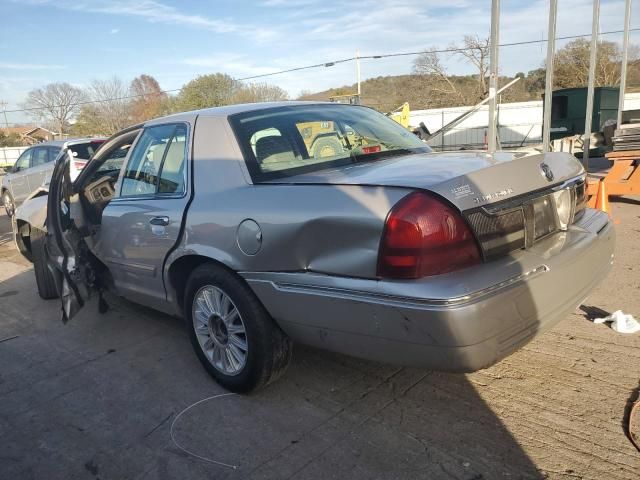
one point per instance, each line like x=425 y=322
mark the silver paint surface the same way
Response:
x=316 y=249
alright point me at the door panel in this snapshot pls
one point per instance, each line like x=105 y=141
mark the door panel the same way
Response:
x=134 y=248
x=139 y=228
x=18 y=180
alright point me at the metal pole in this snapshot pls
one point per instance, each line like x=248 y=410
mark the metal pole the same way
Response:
x=493 y=73
x=441 y=127
x=625 y=54
x=358 y=70
x=4 y=104
x=548 y=83
x=592 y=77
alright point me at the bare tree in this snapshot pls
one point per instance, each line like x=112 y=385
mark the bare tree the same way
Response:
x=110 y=110
x=475 y=50
x=437 y=84
x=56 y=102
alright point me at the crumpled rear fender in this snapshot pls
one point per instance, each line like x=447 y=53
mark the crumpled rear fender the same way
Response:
x=34 y=210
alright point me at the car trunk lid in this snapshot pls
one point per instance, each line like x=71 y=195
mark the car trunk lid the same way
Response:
x=466 y=179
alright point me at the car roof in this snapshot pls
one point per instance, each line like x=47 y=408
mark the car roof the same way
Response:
x=229 y=110
x=68 y=141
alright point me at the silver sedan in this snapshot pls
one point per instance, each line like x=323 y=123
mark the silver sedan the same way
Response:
x=324 y=224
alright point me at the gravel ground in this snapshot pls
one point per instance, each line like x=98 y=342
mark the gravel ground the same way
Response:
x=96 y=398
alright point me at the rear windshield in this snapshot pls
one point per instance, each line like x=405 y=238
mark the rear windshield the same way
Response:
x=289 y=140
x=85 y=151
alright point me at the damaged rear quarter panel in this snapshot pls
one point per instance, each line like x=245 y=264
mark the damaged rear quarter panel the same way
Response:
x=320 y=228
x=333 y=229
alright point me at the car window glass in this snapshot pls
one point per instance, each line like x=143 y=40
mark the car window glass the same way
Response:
x=314 y=137
x=53 y=153
x=273 y=150
x=322 y=139
x=40 y=157
x=114 y=161
x=23 y=160
x=141 y=173
x=172 y=169
x=84 y=151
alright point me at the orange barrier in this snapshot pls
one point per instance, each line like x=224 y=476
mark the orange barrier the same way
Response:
x=622 y=179
x=602 y=198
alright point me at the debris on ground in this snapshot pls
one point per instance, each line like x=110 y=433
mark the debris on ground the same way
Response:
x=620 y=322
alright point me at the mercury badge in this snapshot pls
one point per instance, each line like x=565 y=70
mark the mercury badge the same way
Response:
x=546 y=171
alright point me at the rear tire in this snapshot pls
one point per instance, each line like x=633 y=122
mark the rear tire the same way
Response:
x=223 y=313
x=9 y=205
x=44 y=278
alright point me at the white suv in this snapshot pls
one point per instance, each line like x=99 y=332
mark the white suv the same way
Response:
x=35 y=165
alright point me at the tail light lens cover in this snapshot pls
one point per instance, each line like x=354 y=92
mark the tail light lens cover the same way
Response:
x=424 y=236
x=564 y=203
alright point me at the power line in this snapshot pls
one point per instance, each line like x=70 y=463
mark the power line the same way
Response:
x=324 y=64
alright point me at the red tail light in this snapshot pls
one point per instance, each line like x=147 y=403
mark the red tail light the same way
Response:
x=372 y=149
x=423 y=236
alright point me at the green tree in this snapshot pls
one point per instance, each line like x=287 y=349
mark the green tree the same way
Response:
x=9 y=140
x=259 y=92
x=571 y=64
x=204 y=91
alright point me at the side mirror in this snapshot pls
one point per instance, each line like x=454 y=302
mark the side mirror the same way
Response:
x=15 y=169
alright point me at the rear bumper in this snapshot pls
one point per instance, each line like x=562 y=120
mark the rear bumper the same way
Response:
x=463 y=321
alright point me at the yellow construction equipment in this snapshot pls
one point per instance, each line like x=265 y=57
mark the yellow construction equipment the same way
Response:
x=401 y=114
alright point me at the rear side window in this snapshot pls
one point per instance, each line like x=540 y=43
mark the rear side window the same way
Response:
x=157 y=162
x=282 y=141
x=40 y=156
x=53 y=153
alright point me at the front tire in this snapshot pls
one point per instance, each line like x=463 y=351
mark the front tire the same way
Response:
x=233 y=335
x=44 y=277
x=9 y=204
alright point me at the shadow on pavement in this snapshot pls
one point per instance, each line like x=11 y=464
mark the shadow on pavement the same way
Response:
x=96 y=398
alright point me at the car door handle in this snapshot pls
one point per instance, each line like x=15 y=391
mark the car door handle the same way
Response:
x=159 y=221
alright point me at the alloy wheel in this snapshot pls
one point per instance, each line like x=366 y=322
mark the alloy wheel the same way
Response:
x=220 y=330
x=8 y=204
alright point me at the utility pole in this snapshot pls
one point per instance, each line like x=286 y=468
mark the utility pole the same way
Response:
x=358 y=72
x=625 y=55
x=595 y=28
x=548 y=83
x=4 y=105
x=493 y=75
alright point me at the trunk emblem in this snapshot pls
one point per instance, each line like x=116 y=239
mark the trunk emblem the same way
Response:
x=546 y=171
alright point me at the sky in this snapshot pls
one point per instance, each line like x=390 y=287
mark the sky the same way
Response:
x=76 y=41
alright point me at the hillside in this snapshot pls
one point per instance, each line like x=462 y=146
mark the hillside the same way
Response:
x=423 y=91
x=387 y=93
